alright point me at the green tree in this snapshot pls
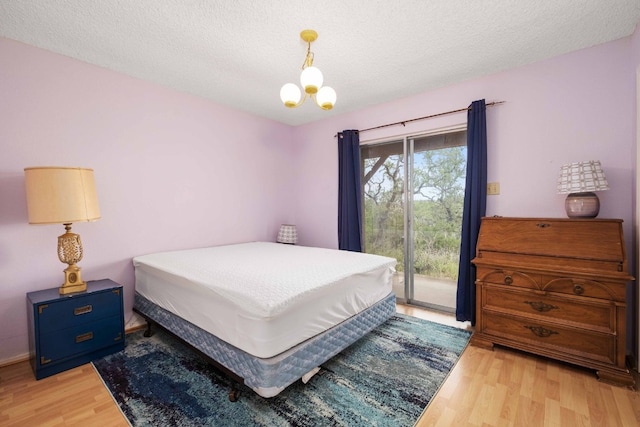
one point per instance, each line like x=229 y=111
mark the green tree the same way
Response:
x=438 y=191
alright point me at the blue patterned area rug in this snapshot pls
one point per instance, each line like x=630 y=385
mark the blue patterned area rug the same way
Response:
x=386 y=378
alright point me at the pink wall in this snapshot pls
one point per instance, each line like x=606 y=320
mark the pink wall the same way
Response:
x=172 y=171
x=580 y=106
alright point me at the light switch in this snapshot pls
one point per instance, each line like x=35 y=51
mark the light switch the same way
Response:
x=493 y=188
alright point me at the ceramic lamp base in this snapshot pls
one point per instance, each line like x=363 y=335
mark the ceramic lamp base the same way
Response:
x=582 y=205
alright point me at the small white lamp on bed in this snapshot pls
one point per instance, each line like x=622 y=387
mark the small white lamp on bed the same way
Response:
x=62 y=195
x=287 y=234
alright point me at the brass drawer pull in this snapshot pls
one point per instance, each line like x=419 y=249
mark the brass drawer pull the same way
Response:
x=84 y=337
x=44 y=361
x=508 y=280
x=578 y=289
x=540 y=331
x=82 y=310
x=541 y=306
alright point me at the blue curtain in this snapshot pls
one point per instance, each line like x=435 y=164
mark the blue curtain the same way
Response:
x=475 y=203
x=349 y=192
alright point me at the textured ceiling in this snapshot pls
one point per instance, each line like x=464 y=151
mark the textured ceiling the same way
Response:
x=240 y=52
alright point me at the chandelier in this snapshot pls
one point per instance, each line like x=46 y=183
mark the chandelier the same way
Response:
x=311 y=80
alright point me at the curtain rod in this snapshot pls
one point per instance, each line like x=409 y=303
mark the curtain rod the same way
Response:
x=404 y=122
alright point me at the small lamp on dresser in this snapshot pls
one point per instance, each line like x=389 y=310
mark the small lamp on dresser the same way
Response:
x=63 y=195
x=287 y=234
x=579 y=181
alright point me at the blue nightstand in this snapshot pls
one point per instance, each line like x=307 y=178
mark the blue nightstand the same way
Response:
x=70 y=330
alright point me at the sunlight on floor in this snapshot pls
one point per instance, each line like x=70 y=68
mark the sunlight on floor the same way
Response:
x=432 y=315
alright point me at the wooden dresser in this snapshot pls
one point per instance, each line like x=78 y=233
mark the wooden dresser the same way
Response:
x=554 y=287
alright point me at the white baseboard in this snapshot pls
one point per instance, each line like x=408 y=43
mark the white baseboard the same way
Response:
x=16 y=359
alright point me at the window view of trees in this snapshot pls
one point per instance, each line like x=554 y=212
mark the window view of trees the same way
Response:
x=438 y=196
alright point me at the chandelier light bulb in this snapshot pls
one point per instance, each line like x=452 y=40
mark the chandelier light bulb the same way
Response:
x=326 y=98
x=290 y=95
x=311 y=80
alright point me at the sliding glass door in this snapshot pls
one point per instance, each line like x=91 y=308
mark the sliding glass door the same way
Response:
x=413 y=191
x=384 y=221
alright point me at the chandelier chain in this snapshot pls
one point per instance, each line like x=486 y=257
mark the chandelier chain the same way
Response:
x=308 y=61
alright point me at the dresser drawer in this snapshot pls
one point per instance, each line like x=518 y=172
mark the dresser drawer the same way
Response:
x=70 y=311
x=579 y=343
x=579 y=312
x=83 y=338
x=509 y=277
x=585 y=287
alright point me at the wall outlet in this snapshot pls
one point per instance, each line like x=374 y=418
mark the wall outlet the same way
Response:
x=493 y=188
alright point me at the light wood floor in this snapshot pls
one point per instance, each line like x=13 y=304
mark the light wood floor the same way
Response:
x=486 y=388
x=510 y=388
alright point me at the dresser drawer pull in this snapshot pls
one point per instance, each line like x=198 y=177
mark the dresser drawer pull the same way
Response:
x=540 y=306
x=578 y=289
x=44 y=361
x=543 y=225
x=540 y=331
x=508 y=280
x=82 y=310
x=84 y=337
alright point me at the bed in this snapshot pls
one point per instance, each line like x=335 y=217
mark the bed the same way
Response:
x=267 y=313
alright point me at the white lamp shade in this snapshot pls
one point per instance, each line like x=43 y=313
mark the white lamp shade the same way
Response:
x=290 y=95
x=311 y=79
x=287 y=234
x=582 y=177
x=61 y=195
x=326 y=98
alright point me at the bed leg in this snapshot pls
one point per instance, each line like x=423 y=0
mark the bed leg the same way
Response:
x=234 y=395
x=148 y=332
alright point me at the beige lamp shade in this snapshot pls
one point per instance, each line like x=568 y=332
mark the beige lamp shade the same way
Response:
x=60 y=195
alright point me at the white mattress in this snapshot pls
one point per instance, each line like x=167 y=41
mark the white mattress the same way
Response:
x=260 y=297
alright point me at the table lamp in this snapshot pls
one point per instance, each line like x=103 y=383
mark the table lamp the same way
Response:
x=63 y=195
x=580 y=180
x=287 y=234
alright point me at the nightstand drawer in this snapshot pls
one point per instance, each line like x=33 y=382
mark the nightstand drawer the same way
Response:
x=80 y=339
x=78 y=309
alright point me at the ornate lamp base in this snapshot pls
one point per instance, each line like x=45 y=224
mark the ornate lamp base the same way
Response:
x=582 y=205
x=70 y=252
x=72 y=281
